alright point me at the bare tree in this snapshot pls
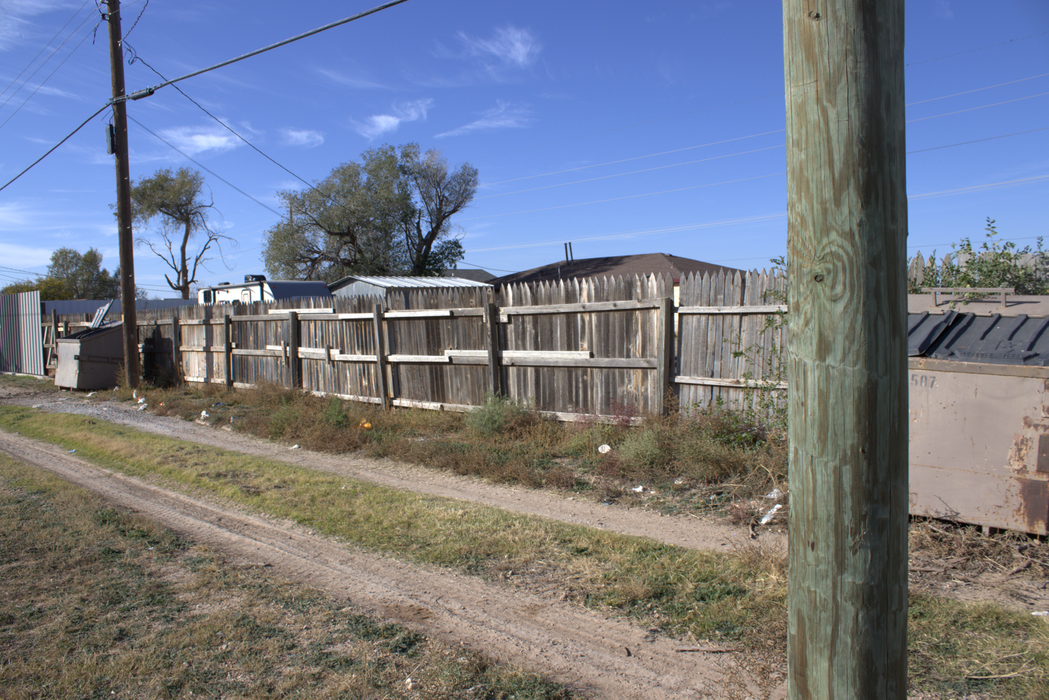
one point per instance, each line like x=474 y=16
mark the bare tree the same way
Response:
x=178 y=199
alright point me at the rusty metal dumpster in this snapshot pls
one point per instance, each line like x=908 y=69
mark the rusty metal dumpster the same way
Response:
x=91 y=358
x=979 y=419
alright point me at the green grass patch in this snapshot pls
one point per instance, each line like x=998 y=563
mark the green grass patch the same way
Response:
x=956 y=648
x=97 y=603
x=713 y=596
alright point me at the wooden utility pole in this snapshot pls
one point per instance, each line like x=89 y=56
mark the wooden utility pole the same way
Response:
x=127 y=252
x=846 y=263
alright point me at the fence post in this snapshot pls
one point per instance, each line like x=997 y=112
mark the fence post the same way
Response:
x=295 y=366
x=380 y=358
x=176 y=349
x=664 y=355
x=228 y=349
x=54 y=339
x=491 y=325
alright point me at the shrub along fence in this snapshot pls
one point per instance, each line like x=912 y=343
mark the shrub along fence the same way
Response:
x=574 y=348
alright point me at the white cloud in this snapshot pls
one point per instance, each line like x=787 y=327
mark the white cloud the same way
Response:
x=509 y=47
x=306 y=138
x=16 y=22
x=503 y=116
x=192 y=140
x=350 y=80
x=379 y=124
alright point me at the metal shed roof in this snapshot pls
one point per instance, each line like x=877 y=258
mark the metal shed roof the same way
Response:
x=407 y=282
x=966 y=337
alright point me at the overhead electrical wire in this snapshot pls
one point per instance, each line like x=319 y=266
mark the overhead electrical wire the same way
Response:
x=37 y=88
x=626 y=160
x=973 y=109
x=966 y=143
x=201 y=165
x=44 y=48
x=136 y=57
x=634 y=172
x=628 y=196
x=969 y=92
x=55 y=147
x=740 y=138
x=150 y=90
x=751 y=219
x=935 y=148
x=979 y=48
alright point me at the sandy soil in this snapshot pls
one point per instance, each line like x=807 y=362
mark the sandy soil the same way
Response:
x=536 y=629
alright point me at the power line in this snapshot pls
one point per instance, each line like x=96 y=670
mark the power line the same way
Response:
x=625 y=160
x=973 y=109
x=55 y=147
x=136 y=57
x=629 y=126
x=740 y=138
x=980 y=188
x=629 y=196
x=49 y=75
x=966 y=143
x=149 y=91
x=635 y=234
x=202 y=166
x=746 y=220
x=969 y=92
x=635 y=172
x=135 y=23
x=44 y=48
x=979 y=48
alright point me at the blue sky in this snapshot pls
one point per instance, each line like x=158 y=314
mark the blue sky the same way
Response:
x=621 y=127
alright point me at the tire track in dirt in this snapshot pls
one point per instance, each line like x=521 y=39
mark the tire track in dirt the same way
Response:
x=611 y=658
x=691 y=532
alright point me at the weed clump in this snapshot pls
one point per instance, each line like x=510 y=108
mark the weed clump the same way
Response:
x=500 y=415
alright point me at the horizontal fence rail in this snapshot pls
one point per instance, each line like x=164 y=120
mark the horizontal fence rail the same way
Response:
x=575 y=348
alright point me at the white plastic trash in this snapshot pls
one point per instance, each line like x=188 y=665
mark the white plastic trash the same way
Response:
x=771 y=514
x=604 y=449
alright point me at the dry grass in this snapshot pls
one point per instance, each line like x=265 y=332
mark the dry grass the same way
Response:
x=956 y=648
x=710 y=596
x=99 y=603
x=677 y=461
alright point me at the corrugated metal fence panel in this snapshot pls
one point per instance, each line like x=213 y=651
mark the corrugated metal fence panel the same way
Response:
x=21 y=342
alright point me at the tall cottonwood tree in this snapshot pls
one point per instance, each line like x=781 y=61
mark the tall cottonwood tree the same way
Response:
x=178 y=200
x=389 y=214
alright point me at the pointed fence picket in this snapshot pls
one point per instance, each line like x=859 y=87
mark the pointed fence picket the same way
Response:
x=615 y=346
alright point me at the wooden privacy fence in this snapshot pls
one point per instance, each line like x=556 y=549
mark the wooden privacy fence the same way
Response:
x=609 y=346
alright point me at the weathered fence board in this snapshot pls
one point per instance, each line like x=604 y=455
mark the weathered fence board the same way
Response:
x=607 y=346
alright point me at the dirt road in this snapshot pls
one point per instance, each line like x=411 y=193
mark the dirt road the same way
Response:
x=564 y=641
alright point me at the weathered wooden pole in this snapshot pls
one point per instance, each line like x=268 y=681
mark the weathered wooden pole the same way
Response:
x=846 y=263
x=132 y=369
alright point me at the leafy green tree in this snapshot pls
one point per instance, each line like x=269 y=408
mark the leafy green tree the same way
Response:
x=389 y=214
x=71 y=275
x=177 y=199
x=994 y=263
x=82 y=274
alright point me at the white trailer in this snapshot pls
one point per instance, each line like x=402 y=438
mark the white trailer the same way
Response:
x=258 y=288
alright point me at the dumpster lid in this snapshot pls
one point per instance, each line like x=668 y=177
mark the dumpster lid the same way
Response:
x=89 y=332
x=996 y=339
